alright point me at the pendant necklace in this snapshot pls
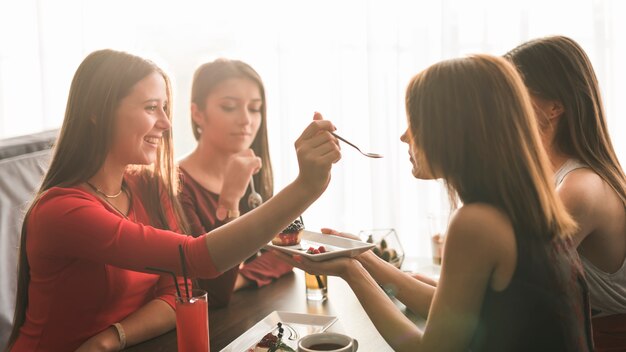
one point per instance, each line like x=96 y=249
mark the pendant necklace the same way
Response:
x=106 y=197
x=101 y=192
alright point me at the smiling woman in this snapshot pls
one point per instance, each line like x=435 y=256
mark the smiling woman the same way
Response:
x=141 y=120
x=107 y=209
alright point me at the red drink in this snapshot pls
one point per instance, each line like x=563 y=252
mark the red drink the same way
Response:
x=192 y=323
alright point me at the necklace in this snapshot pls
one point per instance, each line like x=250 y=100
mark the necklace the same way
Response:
x=123 y=189
x=99 y=191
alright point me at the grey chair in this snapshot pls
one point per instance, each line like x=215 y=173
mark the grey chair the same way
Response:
x=20 y=177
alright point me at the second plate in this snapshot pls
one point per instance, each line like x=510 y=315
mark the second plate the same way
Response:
x=297 y=325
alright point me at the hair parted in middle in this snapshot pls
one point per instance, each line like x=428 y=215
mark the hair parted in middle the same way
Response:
x=210 y=75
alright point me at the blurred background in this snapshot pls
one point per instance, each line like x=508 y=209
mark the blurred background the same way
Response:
x=348 y=59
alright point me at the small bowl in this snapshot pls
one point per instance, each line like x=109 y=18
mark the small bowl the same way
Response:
x=388 y=246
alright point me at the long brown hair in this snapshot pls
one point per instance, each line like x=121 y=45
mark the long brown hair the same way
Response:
x=205 y=79
x=557 y=68
x=101 y=81
x=473 y=120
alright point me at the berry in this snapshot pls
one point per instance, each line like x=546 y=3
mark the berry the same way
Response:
x=318 y=250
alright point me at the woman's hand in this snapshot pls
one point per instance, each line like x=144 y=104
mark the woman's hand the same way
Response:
x=317 y=150
x=328 y=231
x=239 y=168
x=333 y=267
x=361 y=257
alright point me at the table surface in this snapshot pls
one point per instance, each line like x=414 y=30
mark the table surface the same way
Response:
x=248 y=307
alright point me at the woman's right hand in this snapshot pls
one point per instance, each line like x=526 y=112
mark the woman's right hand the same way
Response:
x=317 y=150
x=239 y=168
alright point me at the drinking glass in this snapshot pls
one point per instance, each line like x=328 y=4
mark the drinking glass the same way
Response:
x=316 y=287
x=437 y=231
x=192 y=322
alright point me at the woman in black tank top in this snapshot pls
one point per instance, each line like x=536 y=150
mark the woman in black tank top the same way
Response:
x=510 y=279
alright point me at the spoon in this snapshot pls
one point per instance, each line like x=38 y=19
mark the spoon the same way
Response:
x=254 y=199
x=369 y=155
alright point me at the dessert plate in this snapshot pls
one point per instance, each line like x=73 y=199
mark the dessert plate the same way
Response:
x=335 y=246
x=296 y=325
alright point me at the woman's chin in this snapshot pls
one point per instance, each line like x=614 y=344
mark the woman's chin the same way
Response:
x=423 y=175
x=144 y=160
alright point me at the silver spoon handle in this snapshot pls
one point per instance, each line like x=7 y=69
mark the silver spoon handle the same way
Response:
x=252 y=184
x=343 y=139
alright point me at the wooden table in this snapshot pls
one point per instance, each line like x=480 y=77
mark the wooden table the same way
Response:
x=248 y=307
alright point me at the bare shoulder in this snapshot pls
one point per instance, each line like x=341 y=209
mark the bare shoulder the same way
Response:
x=593 y=204
x=581 y=187
x=480 y=219
x=481 y=236
x=482 y=225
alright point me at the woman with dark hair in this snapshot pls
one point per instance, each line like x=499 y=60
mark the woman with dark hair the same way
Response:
x=587 y=174
x=229 y=121
x=108 y=208
x=510 y=278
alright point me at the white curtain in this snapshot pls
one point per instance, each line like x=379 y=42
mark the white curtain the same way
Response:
x=350 y=60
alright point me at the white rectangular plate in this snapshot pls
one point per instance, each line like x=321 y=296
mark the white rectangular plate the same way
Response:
x=335 y=246
x=296 y=326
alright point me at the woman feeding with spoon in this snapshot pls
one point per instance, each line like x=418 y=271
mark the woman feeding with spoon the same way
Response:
x=229 y=172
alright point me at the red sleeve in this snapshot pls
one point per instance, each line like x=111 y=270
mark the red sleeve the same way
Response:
x=68 y=222
x=264 y=269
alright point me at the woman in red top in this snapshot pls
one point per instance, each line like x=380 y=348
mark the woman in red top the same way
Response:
x=107 y=209
x=229 y=121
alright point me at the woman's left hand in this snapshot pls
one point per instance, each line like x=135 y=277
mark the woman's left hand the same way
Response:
x=333 y=267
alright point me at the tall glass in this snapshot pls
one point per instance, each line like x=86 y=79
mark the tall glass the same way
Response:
x=192 y=322
x=316 y=287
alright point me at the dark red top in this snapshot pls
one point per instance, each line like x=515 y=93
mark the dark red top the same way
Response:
x=200 y=205
x=544 y=308
x=87 y=267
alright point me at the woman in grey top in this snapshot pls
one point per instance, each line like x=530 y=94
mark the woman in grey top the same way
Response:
x=588 y=176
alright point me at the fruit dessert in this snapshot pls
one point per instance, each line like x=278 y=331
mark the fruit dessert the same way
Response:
x=318 y=250
x=291 y=235
x=272 y=343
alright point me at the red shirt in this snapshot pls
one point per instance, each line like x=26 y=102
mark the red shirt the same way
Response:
x=199 y=206
x=87 y=267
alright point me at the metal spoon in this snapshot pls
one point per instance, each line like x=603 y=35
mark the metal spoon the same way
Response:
x=369 y=155
x=254 y=199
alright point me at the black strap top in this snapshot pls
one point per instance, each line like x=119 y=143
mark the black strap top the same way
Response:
x=544 y=308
